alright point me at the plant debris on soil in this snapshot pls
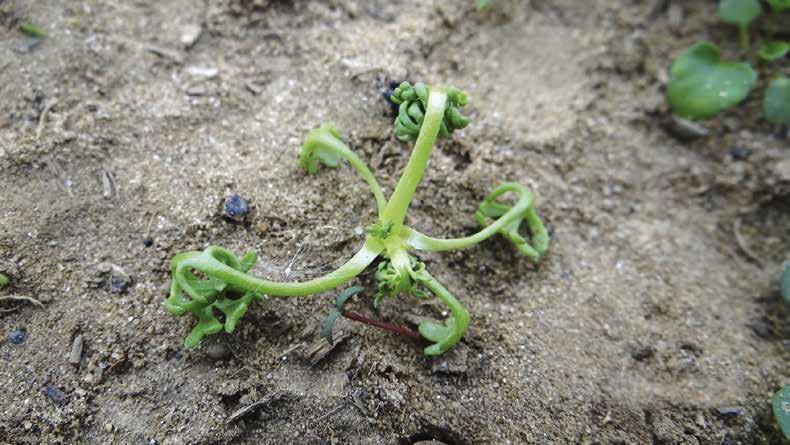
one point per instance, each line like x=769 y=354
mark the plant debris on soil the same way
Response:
x=136 y=121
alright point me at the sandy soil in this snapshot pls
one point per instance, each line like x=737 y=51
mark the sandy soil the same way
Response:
x=654 y=320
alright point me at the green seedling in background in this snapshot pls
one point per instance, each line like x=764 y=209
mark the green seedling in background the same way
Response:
x=773 y=51
x=740 y=13
x=482 y=5
x=779 y=5
x=215 y=279
x=702 y=84
x=785 y=284
x=781 y=408
x=4 y=280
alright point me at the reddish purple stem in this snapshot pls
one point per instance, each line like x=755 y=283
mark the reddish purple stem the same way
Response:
x=382 y=325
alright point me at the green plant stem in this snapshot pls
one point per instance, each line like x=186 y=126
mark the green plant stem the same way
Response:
x=460 y=315
x=240 y=281
x=327 y=141
x=396 y=208
x=743 y=30
x=526 y=201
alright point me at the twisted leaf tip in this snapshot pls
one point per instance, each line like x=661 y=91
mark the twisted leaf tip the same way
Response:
x=314 y=151
x=534 y=248
x=203 y=297
x=413 y=100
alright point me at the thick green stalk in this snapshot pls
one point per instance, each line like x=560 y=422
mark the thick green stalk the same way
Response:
x=395 y=211
x=240 y=281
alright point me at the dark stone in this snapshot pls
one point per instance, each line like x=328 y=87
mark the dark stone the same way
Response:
x=119 y=283
x=643 y=353
x=762 y=328
x=54 y=394
x=740 y=153
x=17 y=337
x=731 y=411
x=684 y=129
x=236 y=206
x=148 y=242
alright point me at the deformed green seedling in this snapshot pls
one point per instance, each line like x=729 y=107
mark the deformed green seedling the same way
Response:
x=702 y=84
x=215 y=282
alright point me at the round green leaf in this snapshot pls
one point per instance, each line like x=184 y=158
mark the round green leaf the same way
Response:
x=781 y=406
x=702 y=85
x=779 y=5
x=739 y=12
x=776 y=105
x=774 y=50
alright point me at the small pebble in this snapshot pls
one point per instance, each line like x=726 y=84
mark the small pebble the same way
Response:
x=685 y=130
x=17 y=337
x=236 y=206
x=190 y=34
x=55 y=395
x=108 y=427
x=148 y=242
x=26 y=44
x=76 y=350
x=731 y=411
x=217 y=351
x=740 y=153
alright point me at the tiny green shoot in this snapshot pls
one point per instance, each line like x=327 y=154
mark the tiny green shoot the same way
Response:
x=482 y=5
x=740 y=13
x=4 y=280
x=781 y=408
x=32 y=30
x=215 y=281
x=785 y=284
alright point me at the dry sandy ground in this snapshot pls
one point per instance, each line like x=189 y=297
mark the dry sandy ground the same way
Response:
x=654 y=320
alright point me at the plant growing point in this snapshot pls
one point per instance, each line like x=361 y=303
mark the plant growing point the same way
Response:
x=215 y=281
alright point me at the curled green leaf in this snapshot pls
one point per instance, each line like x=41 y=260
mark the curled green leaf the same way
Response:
x=205 y=296
x=413 y=101
x=313 y=152
x=772 y=51
x=776 y=104
x=490 y=209
x=779 y=5
x=702 y=85
x=329 y=324
x=343 y=297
